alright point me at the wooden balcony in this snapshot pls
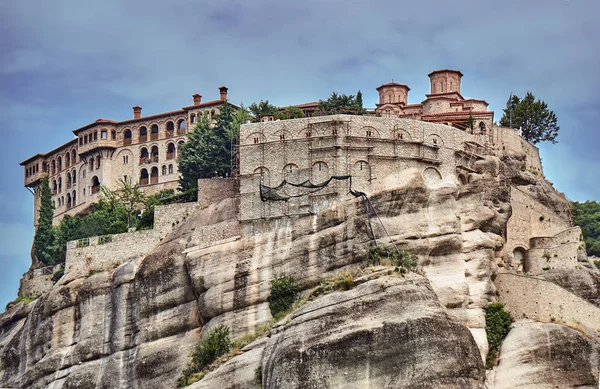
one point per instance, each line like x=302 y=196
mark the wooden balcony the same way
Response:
x=143 y=138
x=154 y=136
x=126 y=141
x=154 y=180
x=170 y=155
x=144 y=181
x=95 y=189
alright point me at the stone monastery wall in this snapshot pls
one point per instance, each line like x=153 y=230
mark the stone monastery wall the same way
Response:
x=104 y=253
x=373 y=150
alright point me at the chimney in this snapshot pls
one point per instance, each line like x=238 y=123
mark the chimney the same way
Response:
x=197 y=99
x=137 y=112
x=223 y=91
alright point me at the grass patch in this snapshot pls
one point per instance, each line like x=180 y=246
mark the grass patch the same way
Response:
x=497 y=326
x=20 y=298
x=391 y=256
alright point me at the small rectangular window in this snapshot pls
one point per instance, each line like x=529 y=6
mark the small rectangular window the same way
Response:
x=114 y=135
x=85 y=139
x=95 y=135
x=80 y=141
x=103 y=134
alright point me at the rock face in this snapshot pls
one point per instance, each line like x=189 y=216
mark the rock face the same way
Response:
x=544 y=355
x=134 y=326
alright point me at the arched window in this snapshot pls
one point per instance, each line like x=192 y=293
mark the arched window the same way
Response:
x=59 y=163
x=144 y=157
x=74 y=177
x=154 y=132
x=431 y=176
x=482 y=128
x=97 y=162
x=193 y=118
x=171 y=151
x=389 y=98
x=319 y=172
x=181 y=127
x=154 y=175
x=68 y=200
x=164 y=170
x=69 y=180
x=95 y=185
x=95 y=135
x=154 y=154
x=53 y=167
x=171 y=170
x=170 y=129
x=74 y=196
x=59 y=184
x=143 y=134
x=73 y=157
x=67 y=160
x=127 y=137
x=91 y=164
x=54 y=187
x=113 y=135
x=144 y=177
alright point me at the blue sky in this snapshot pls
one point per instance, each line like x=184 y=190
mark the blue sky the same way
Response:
x=66 y=63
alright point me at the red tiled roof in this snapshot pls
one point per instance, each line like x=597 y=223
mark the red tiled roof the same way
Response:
x=445 y=95
x=392 y=84
x=456 y=114
x=445 y=71
x=207 y=104
x=64 y=145
x=313 y=104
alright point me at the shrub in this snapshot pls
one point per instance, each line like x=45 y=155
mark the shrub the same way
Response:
x=390 y=255
x=497 y=326
x=283 y=294
x=117 y=227
x=258 y=376
x=146 y=221
x=213 y=345
x=58 y=275
x=597 y=263
x=340 y=282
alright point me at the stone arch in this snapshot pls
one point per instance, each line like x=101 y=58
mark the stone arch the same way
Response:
x=171 y=150
x=435 y=140
x=519 y=259
x=368 y=132
x=154 y=154
x=69 y=204
x=74 y=197
x=73 y=157
x=95 y=185
x=256 y=137
x=144 y=155
x=164 y=170
x=171 y=169
x=431 y=176
x=482 y=128
x=144 y=176
x=143 y=134
x=127 y=137
x=462 y=178
x=181 y=126
x=319 y=172
x=170 y=129
x=401 y=134
x=154 y=132
x=262 y=175
x=308 y=133
x=282 y=135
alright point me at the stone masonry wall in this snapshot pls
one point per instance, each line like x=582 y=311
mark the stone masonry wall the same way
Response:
x=543 y=300
x=555 y=252
x=105 y=255
x=373 y=150
x=530 y=219
x=213 y=190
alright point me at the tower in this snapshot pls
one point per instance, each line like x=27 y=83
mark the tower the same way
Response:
x=445 y=81
x=393 y=93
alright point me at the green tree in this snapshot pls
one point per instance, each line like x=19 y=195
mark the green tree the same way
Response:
x=470 y=122
x=263 y=108
x=207 y=153
x=44 y=240
x=290 y=112
x=533 y=117
x=340 y=104
x=128 y=196
x=587 y=216
x=359 y=102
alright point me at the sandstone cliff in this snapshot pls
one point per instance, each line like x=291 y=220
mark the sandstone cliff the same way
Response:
x=134 y=326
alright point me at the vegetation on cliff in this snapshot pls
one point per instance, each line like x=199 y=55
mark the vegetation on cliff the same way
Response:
x=207 y=153
x=43 y=242
x=587 y=216
x=533 y=117
x=497 y=326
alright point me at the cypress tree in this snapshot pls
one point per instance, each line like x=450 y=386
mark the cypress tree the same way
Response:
x=44 y=235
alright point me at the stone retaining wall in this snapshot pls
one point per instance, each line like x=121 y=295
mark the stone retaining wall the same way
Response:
x=543 y=300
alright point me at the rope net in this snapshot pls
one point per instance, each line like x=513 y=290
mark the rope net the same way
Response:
x=287 y=190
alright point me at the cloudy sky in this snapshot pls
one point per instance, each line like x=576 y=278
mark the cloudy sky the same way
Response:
x=66 y=63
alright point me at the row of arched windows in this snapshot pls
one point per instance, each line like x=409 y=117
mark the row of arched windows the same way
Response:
x=152 y=155
x=319 y=171
x=154 y=132
x=56 y=164
x=152 y=176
